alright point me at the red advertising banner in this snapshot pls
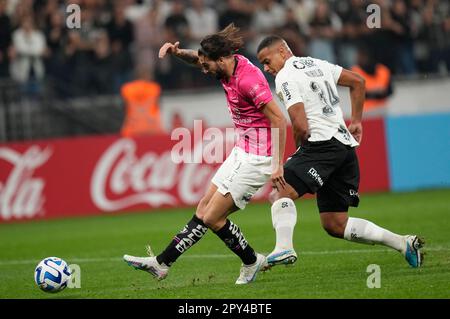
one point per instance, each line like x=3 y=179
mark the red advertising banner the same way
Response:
x=91 y=175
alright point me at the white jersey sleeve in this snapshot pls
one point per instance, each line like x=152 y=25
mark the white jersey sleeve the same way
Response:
x=288 y=90
x=334 y=69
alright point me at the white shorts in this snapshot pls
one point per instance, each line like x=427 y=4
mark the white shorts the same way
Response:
x=242 y=174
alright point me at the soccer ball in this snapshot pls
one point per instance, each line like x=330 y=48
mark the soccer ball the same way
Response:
x=52 y=274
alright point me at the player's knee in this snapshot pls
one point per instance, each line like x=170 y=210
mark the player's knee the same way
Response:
x=211 y=222
x=334 y=229
x=276 y=195
x=201 y=208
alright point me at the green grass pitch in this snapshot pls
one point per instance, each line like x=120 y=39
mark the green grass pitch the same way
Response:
x=327 y=267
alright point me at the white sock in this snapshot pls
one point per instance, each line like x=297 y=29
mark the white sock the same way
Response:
x=363 y=231
x=284 y=218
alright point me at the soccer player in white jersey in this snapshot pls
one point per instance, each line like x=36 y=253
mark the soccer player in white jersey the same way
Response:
x=253 y=161
x=325 y=162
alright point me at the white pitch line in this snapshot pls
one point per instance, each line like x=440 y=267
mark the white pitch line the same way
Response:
x=324 y=252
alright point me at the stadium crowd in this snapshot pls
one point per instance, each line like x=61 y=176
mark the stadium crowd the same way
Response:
x=116 y=38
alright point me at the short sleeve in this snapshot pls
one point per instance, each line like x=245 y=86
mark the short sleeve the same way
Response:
x=255 y=89
x=335 y=70
x=288 y=91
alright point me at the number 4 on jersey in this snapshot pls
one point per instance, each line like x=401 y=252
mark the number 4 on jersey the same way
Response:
x=332 y=97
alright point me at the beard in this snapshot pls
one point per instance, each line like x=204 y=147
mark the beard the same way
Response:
x=220 y=74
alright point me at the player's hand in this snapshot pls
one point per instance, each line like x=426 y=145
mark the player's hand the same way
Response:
x=355 y=128
x=168 y=48
x=277 y=178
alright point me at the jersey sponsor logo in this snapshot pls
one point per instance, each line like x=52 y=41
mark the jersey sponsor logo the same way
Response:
x=313 y=173
x=286 y=91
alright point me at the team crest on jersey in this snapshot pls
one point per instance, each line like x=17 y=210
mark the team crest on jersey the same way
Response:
x=304 y=63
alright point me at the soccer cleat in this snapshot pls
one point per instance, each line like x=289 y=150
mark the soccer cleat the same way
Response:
x=148 y=264
x=248 y=272
x=283 y=257
x=413 y=255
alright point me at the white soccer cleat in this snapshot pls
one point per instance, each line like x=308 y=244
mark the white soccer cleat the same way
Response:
x=412 y=252
x=148 y=264
x=249 y=272
x=281 y=257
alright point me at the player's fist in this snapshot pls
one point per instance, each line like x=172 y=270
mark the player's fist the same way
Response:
x=277 y=178
x=168 y=48
x=356 y=130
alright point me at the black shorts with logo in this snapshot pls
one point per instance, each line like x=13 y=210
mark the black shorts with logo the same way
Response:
x=328 y=168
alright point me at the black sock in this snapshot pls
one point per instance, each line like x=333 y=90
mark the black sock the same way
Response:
x=232 y=236
x=185 y=239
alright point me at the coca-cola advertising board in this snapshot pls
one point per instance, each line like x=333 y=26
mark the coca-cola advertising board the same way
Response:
x=103 y=174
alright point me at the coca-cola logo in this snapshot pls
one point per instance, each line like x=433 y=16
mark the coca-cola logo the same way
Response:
x=121 y=179
x=21 y=194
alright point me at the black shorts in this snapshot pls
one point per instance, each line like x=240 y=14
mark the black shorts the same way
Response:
x=328 y=168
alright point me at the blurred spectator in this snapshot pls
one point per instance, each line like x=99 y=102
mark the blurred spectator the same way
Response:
x=21 y=10
x=46 y=11
x=293 y=34
x=268 y=16
x=134 y=10
x=202 y=20
x=74 y=77
x=172 y=72
x=5 y=40
x=121 y=36
x=237 y=12
x=177 y=25
x=401 y=25
x=102 y=75
x=353 y=15
x=378 y=79
x=303 y=11
x=241 y=14
x=55 y=34
x=324 y=28
x=433 y=43
x=29 y=46
x=141 y=98
x=381 y=40
x=148 y=33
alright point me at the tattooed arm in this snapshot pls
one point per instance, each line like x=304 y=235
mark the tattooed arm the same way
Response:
x=185 y=55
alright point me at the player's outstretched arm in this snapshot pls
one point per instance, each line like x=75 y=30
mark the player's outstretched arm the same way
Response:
x=357 y=86
x=185 y=55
